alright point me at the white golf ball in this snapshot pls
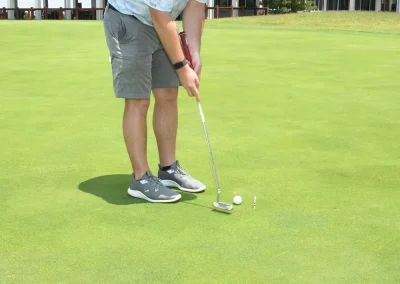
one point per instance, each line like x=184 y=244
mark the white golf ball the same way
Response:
x=237 y=200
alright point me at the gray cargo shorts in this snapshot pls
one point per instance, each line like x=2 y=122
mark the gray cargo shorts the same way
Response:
x=139 y=62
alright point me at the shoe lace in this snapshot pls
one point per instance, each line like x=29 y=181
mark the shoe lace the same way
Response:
x=154 y=181
x=181 y=170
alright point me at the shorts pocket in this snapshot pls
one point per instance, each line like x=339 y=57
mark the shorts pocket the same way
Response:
x=115 y=26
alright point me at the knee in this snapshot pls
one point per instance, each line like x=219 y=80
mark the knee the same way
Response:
x=166 y=96
x=134 y=105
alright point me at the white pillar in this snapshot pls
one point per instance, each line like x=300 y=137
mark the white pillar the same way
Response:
x=210 y=4
x=68 y=13
x=99 y=13
x=38 y=13
x=352 y=5
x=235 y=4
x=260 y=12
x=378 y=4
x=73 y=6
x=11 y=5
x=325 y=3
x=398 y=6
x=390 y=5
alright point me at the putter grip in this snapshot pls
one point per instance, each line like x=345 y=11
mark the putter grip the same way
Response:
x=185 y=48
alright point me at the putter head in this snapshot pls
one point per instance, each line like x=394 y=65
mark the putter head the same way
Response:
x=223 y=206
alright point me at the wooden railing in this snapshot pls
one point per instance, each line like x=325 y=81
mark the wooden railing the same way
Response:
x=50 y=13
x=90 y=13
x=256 y=10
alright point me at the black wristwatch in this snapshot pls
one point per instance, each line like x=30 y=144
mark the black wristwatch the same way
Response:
x=180 y=64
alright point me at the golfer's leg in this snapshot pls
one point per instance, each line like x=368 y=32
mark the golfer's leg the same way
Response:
x=165 y=123
x=165 y=84
x=135 y=134
x=131 y=61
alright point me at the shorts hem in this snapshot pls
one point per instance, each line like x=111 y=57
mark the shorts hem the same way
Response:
x=166 y=86
x=133 y=97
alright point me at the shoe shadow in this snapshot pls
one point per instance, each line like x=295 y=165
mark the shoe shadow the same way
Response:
x=113 y=189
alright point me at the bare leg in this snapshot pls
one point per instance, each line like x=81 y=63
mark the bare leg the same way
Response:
x=135 y=134
x=165 y=123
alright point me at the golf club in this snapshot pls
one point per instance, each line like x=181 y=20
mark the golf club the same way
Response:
x=217 y=204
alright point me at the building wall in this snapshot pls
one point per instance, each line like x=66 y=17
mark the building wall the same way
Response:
x=360 y=5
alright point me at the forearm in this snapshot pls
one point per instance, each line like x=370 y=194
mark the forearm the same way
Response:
x=166 y=31
x=193 y=20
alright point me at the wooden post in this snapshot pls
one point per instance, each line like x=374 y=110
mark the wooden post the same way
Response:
x=217 y=7
x=31 y=14
x=231 y=12
x=60 y=14
x=16 y=13
x=242 y=11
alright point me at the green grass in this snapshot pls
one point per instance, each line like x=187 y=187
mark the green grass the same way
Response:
x=306 y=119
x=359 y=21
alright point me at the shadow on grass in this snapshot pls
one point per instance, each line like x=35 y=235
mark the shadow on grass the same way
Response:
x=113 y=189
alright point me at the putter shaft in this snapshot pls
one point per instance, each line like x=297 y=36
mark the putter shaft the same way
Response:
x=209 y=150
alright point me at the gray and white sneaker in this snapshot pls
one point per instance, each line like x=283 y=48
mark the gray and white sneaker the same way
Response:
x=151 y=189
x=176 y=176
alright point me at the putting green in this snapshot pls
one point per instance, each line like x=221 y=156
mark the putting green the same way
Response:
x=306 y=119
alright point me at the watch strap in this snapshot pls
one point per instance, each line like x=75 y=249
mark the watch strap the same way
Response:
x=180 y=64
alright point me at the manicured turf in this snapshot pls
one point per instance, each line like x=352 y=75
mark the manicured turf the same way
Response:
x=305 y=119
x=360 y=21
